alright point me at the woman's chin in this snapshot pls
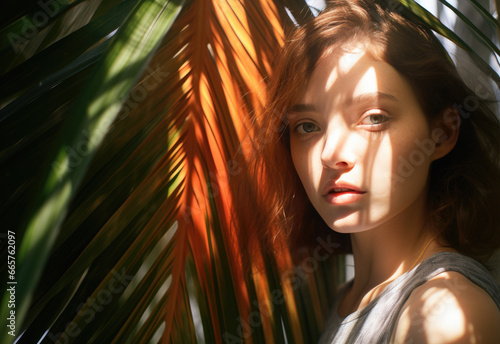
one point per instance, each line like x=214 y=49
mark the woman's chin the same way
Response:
x=354 y=223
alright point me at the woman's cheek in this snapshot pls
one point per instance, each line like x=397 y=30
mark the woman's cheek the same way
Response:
x=302 y=163
x=306 y=158
x=380 y=175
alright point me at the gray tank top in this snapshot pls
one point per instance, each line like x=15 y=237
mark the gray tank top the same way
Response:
x=375 y=322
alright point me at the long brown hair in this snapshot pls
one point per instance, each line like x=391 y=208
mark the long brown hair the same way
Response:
x=464 y=194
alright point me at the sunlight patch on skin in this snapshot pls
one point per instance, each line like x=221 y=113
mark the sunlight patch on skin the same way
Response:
x=384 y=155
x=367 y=83
x=347 y=62
x=331 y=79
x=352 y=219
x=443 y=311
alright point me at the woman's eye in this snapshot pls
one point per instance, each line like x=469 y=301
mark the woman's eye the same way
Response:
x=306 y=128
x=375 y=119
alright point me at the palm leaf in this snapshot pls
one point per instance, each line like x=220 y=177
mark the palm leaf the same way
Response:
x=436 y=25
x=482 y=37
x=485 y=14
x=146 y=250
x=112 y=80
x=57 y=55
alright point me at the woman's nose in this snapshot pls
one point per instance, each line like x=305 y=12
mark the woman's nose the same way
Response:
x=343 y=165
x=336 y=154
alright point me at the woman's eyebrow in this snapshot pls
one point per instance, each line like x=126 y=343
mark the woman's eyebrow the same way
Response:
x=298 y=108
x=371 y=97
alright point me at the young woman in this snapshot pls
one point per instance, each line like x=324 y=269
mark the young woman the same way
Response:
x=366 y=133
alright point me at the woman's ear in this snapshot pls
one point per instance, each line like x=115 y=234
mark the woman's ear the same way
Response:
x=445 y=132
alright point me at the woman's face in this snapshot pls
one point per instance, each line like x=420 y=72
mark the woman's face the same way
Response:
x=360 y=143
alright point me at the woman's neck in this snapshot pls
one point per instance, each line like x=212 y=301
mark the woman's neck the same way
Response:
x=384 y=253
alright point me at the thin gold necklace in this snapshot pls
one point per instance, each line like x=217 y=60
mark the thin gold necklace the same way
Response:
x=375 y=289
x=422 y=253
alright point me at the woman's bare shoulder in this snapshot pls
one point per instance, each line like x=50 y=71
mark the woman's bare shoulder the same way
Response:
x=448 y=309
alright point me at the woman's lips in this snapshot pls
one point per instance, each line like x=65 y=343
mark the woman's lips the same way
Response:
x=343 y=195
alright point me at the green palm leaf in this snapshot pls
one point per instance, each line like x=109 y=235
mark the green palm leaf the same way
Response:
x=435 y=24
x=94 y=112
